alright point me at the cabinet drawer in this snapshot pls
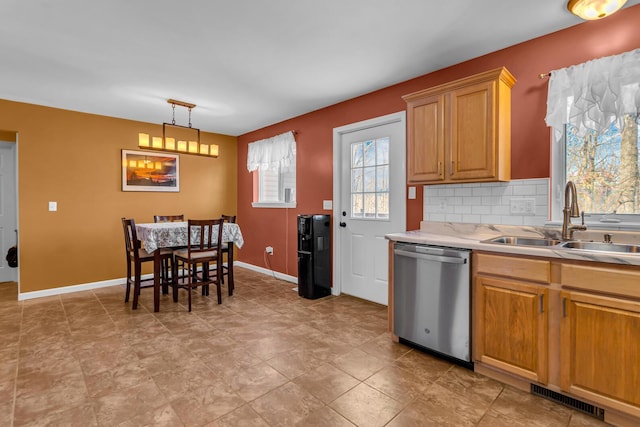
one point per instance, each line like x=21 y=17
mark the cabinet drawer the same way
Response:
x=532 y=270
x=619 y=281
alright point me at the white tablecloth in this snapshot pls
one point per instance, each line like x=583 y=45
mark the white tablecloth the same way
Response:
x=174 y=234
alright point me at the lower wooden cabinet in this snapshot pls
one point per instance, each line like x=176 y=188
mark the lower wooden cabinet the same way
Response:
x=600 y=349
x=569 y=326
x=511 y=325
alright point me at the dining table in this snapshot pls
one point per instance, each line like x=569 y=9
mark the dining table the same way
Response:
x=160 y=235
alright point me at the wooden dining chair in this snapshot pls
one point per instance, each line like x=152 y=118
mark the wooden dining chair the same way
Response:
x=136 y=255
x=167 y=218
x=227 y=248
x=203 y=254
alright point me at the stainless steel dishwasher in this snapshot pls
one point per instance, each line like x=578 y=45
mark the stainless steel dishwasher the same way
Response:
x=431 y=299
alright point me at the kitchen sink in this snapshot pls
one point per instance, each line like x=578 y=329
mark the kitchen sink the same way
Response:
x=601 y=247
x=523 y=241
x=559 y=244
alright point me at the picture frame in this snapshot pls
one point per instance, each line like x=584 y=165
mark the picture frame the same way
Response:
x=145 y=171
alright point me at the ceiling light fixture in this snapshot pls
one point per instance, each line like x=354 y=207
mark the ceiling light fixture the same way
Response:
x=594 y=9
x=186 y=145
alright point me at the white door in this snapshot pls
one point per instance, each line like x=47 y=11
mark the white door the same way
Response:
x=8 y=209
x=369 y=187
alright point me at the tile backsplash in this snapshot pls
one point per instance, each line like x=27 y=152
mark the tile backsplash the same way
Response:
x=517 y=202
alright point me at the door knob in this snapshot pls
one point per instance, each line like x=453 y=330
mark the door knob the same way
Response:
x=343 y=224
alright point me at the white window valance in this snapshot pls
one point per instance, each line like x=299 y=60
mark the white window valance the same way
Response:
x=595 y=94
x=276 y=153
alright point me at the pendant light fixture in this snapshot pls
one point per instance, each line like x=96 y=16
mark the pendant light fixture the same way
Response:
x=594 y=9
x=186 y=146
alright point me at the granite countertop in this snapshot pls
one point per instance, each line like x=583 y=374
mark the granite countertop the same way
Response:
x=470 y=236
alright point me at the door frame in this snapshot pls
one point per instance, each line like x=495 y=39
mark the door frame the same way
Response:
x=14 y=202
x=399 y=117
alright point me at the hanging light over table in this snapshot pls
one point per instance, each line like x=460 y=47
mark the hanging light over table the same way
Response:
x=165 y=143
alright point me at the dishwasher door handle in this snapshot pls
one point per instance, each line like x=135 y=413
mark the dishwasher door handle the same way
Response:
x=427 y=257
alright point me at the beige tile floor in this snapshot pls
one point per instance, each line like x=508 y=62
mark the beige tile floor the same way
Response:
x=265 y=357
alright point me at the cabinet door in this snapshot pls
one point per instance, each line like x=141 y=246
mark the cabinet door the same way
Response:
x=600 y=349
x=511 y=327
x=473 y=142
x=425 y=150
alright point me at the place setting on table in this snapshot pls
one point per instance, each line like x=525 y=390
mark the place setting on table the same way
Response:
x=157 y=240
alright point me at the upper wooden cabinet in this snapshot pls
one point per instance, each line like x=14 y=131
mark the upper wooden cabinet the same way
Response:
x=461 y=131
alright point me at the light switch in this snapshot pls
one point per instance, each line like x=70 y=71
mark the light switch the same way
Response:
x=53 y=206
x=412 y=193
x=327 y=205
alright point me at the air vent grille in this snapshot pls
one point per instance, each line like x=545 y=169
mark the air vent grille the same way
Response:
x=576 y=404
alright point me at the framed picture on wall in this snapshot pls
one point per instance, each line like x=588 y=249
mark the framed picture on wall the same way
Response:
x=144 y=171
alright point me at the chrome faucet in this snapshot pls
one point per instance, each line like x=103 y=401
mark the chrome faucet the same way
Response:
x=570 y=210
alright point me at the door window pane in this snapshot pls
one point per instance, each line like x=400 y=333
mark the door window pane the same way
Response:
x=357 y=206
x=383 y=205
x=370 y=205
x=370 y=179
x=369 y=153
x=356 y=155
x=357 y=180
x=382 y=178
x=382 y=151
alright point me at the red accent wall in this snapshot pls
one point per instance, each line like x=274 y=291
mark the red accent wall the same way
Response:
x=530 y=137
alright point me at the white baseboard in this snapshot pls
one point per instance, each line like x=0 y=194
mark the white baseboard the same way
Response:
x=74 y=288
x=266 y=271
x=113 y=282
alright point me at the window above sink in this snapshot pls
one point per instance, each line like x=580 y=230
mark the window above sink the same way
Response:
x=595 y=119
x=605 y=175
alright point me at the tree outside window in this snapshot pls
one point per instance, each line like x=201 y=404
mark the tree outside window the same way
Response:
x=604 y=168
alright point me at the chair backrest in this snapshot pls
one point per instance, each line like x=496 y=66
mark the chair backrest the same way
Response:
x=229 y=218
x=209 y=232
x=168 y=218
x=131 y=242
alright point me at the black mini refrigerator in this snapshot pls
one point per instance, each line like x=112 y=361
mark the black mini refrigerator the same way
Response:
x=314 y=256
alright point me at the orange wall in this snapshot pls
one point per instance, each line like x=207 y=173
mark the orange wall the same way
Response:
x=74 y=159
x=529 y=141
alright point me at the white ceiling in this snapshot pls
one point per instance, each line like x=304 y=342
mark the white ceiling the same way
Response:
x=245 y=63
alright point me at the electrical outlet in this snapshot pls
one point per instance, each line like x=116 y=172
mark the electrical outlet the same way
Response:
x=523 y=206
x=269 y=250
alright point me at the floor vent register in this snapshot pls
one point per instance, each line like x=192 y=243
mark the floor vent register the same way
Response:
x=576 y=404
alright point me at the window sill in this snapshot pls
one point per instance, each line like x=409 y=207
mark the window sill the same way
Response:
x=621 y=226
x=273 y=205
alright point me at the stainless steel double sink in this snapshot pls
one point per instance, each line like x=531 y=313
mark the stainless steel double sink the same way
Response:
x=571 y=244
